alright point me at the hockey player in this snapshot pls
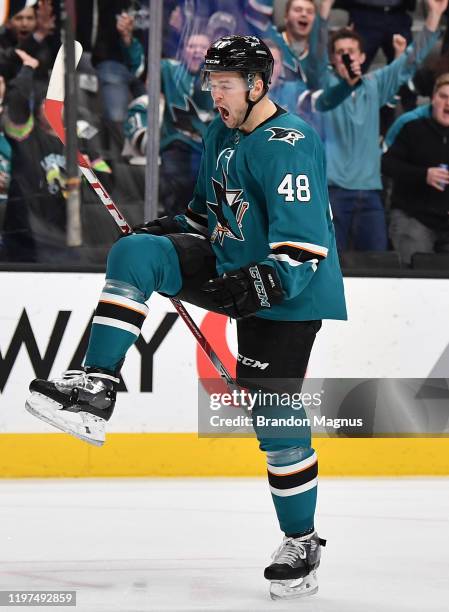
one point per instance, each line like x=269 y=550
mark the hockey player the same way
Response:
x=257 y=244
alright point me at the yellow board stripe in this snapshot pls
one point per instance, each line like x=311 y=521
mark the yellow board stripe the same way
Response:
x=184 y=454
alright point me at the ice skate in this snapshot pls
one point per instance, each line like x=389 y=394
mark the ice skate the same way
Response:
x=293 y=571
x=78 y=403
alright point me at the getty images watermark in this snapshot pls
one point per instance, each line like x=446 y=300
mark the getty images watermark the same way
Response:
x=329 y=407
x=284 y=403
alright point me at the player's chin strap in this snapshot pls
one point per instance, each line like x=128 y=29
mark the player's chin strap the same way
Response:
x=252 y=103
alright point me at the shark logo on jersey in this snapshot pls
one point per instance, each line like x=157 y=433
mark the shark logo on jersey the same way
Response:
x=227 y=154
x=290 y=135
x=191 y=120
x=229 y=209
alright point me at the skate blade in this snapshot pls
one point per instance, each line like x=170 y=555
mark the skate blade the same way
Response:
x=292 y=589
x=52 y=419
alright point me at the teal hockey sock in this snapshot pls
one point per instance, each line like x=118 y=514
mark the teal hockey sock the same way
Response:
x=137 y=265
x=292 y=476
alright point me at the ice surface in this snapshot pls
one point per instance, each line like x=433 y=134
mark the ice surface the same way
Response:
x=202 y=544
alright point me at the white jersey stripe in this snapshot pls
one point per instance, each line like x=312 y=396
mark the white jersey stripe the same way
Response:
x=262 y=8
x=292 y=262
x=314 y=98
x=282 y=470
x=133 y=329
x=283 y=257
x=307 y=246
x=294 y=490
x=112 y=298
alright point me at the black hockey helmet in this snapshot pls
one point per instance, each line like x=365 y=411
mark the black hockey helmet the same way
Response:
x=246 y=54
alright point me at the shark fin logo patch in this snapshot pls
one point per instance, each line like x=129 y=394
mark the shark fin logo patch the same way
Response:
x=290 y=135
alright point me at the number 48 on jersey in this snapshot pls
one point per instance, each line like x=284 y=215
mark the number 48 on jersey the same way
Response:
x=295 y=189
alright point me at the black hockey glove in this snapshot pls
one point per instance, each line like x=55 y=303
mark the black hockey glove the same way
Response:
x=240 y=293
x=159 y=227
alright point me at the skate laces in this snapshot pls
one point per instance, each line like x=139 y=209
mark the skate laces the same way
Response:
x=72 y=378
x=80 y=378
x=289 y=551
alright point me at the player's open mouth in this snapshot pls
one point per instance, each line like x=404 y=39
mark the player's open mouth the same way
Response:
x=223 y=112
x=303 y=24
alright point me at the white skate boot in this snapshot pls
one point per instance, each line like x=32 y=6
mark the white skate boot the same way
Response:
x=293 y=571
x=78 y=403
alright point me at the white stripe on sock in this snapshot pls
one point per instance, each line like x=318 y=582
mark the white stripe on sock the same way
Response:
x=133 y=329
x=294 y=490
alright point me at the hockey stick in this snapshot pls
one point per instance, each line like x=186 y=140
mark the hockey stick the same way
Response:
x=54 y=107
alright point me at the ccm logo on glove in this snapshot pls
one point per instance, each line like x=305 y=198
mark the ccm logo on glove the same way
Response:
x=241 y=293
x=260 y=288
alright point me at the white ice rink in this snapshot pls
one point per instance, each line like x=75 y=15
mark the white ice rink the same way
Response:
x=202 y=544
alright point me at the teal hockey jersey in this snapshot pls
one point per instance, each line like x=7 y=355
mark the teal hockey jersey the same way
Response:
x=188 y=109
x=187 y=112
x=262 y=197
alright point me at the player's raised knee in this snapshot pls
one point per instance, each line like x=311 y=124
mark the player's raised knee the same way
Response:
x=134 y=247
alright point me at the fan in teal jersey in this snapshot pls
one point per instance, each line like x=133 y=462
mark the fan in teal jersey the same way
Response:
x=256 y=243
x=187 y=112
x=303 y=29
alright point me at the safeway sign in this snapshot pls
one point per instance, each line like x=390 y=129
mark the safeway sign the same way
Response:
x=45 y=323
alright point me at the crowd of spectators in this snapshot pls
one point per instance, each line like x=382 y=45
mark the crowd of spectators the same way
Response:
x=370 y=75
